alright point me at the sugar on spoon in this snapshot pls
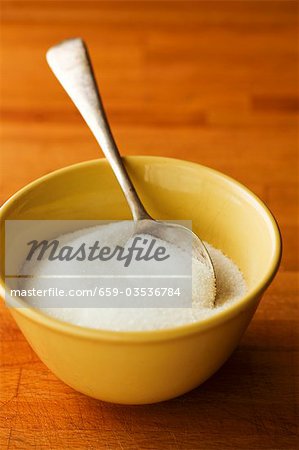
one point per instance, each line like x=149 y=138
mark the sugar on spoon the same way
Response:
x=70 y=62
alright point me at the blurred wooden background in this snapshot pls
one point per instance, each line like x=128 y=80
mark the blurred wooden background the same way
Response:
x=212 y=82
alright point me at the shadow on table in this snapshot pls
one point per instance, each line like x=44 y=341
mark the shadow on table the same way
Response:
x=248 y=403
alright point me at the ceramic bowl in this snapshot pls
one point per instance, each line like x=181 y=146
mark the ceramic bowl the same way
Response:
x=149 y=366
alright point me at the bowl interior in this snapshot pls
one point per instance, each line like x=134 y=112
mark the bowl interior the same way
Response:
x=222 y=211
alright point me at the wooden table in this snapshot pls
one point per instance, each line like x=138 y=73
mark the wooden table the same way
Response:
x=213 y=82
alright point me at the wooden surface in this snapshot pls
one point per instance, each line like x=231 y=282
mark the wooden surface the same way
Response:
x=213 y=82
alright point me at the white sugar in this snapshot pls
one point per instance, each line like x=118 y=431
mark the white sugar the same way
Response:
x=230 y=286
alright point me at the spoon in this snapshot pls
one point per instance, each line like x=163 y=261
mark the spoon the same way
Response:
x=71 y=64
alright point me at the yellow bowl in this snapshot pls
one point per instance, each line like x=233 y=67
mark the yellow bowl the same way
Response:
x=149 y=366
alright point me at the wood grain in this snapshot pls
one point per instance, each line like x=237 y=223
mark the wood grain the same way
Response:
x=213 y=82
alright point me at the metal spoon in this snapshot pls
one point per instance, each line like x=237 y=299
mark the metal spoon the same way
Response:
x=70 y=62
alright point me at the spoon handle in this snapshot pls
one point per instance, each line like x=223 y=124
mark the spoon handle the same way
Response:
x=71 y=64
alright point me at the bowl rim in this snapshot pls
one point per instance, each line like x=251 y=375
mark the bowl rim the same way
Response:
x=252 y=297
